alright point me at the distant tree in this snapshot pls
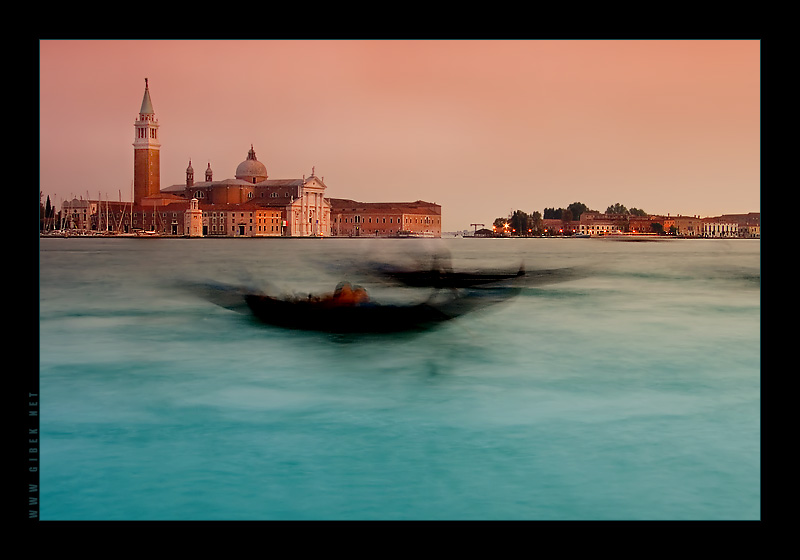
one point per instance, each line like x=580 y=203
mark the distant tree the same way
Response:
x=48 y=213
x=577 y=208
x=500 y=223
x=617 y=209
x=553 y=213
x=657 y=228
x=536 y=225
x=566 y=215
x=638 y=212
x=519 y=223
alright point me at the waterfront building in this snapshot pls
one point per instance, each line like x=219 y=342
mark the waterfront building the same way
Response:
x=750 y=231
x=642 y=224
x=733 y=225
x=688 y=226
x=595 y=224
x=749 y=225
x=719 y=227
x=350 y=218
x=79 y=214
x=552 y=226
x=243 y=220
x=87 y=215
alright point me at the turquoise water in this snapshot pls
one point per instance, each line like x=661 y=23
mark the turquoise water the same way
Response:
x=629 y=391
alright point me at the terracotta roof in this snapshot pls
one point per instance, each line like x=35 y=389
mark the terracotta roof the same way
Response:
x=176 y=188
x=417 y=207
x=280 y=183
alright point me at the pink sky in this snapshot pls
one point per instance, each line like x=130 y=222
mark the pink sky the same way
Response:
x=480 y=127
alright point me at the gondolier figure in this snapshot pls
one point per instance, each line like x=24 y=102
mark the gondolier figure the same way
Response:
x=345 y=294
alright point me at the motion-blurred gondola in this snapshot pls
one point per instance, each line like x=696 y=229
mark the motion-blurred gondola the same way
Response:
x=350 y=310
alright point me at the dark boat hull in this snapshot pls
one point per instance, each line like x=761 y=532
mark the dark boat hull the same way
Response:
x=442 y=279
x=369 y=317
x=362 y=318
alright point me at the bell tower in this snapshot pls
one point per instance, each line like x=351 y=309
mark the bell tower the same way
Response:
x=146 y=151
x=189 y=176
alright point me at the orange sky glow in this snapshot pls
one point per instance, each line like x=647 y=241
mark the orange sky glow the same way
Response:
x=481 y=127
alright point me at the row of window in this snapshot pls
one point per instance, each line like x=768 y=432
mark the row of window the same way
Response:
x=262 y=229
x=360 y=220
x=273 y=216
x=272 y=220
x=202 y=194
x=600 y=228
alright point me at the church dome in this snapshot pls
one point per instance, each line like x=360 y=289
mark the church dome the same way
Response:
x=251 y=170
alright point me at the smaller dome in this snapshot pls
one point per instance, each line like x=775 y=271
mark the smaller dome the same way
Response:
x=189 y=169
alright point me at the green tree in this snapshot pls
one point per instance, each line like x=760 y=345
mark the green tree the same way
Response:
x=617 y=209
x=519 y=223
x=638 y=212
x=552 y=213
x=536 y=224
x=657 y=228
x=577 y=208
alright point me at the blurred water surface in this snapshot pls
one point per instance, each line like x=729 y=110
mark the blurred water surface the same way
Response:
x=628 y=390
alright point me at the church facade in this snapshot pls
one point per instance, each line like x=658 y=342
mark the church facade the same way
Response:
x=266 y=207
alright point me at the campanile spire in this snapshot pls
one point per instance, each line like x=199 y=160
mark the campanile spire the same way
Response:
x=146 y=151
